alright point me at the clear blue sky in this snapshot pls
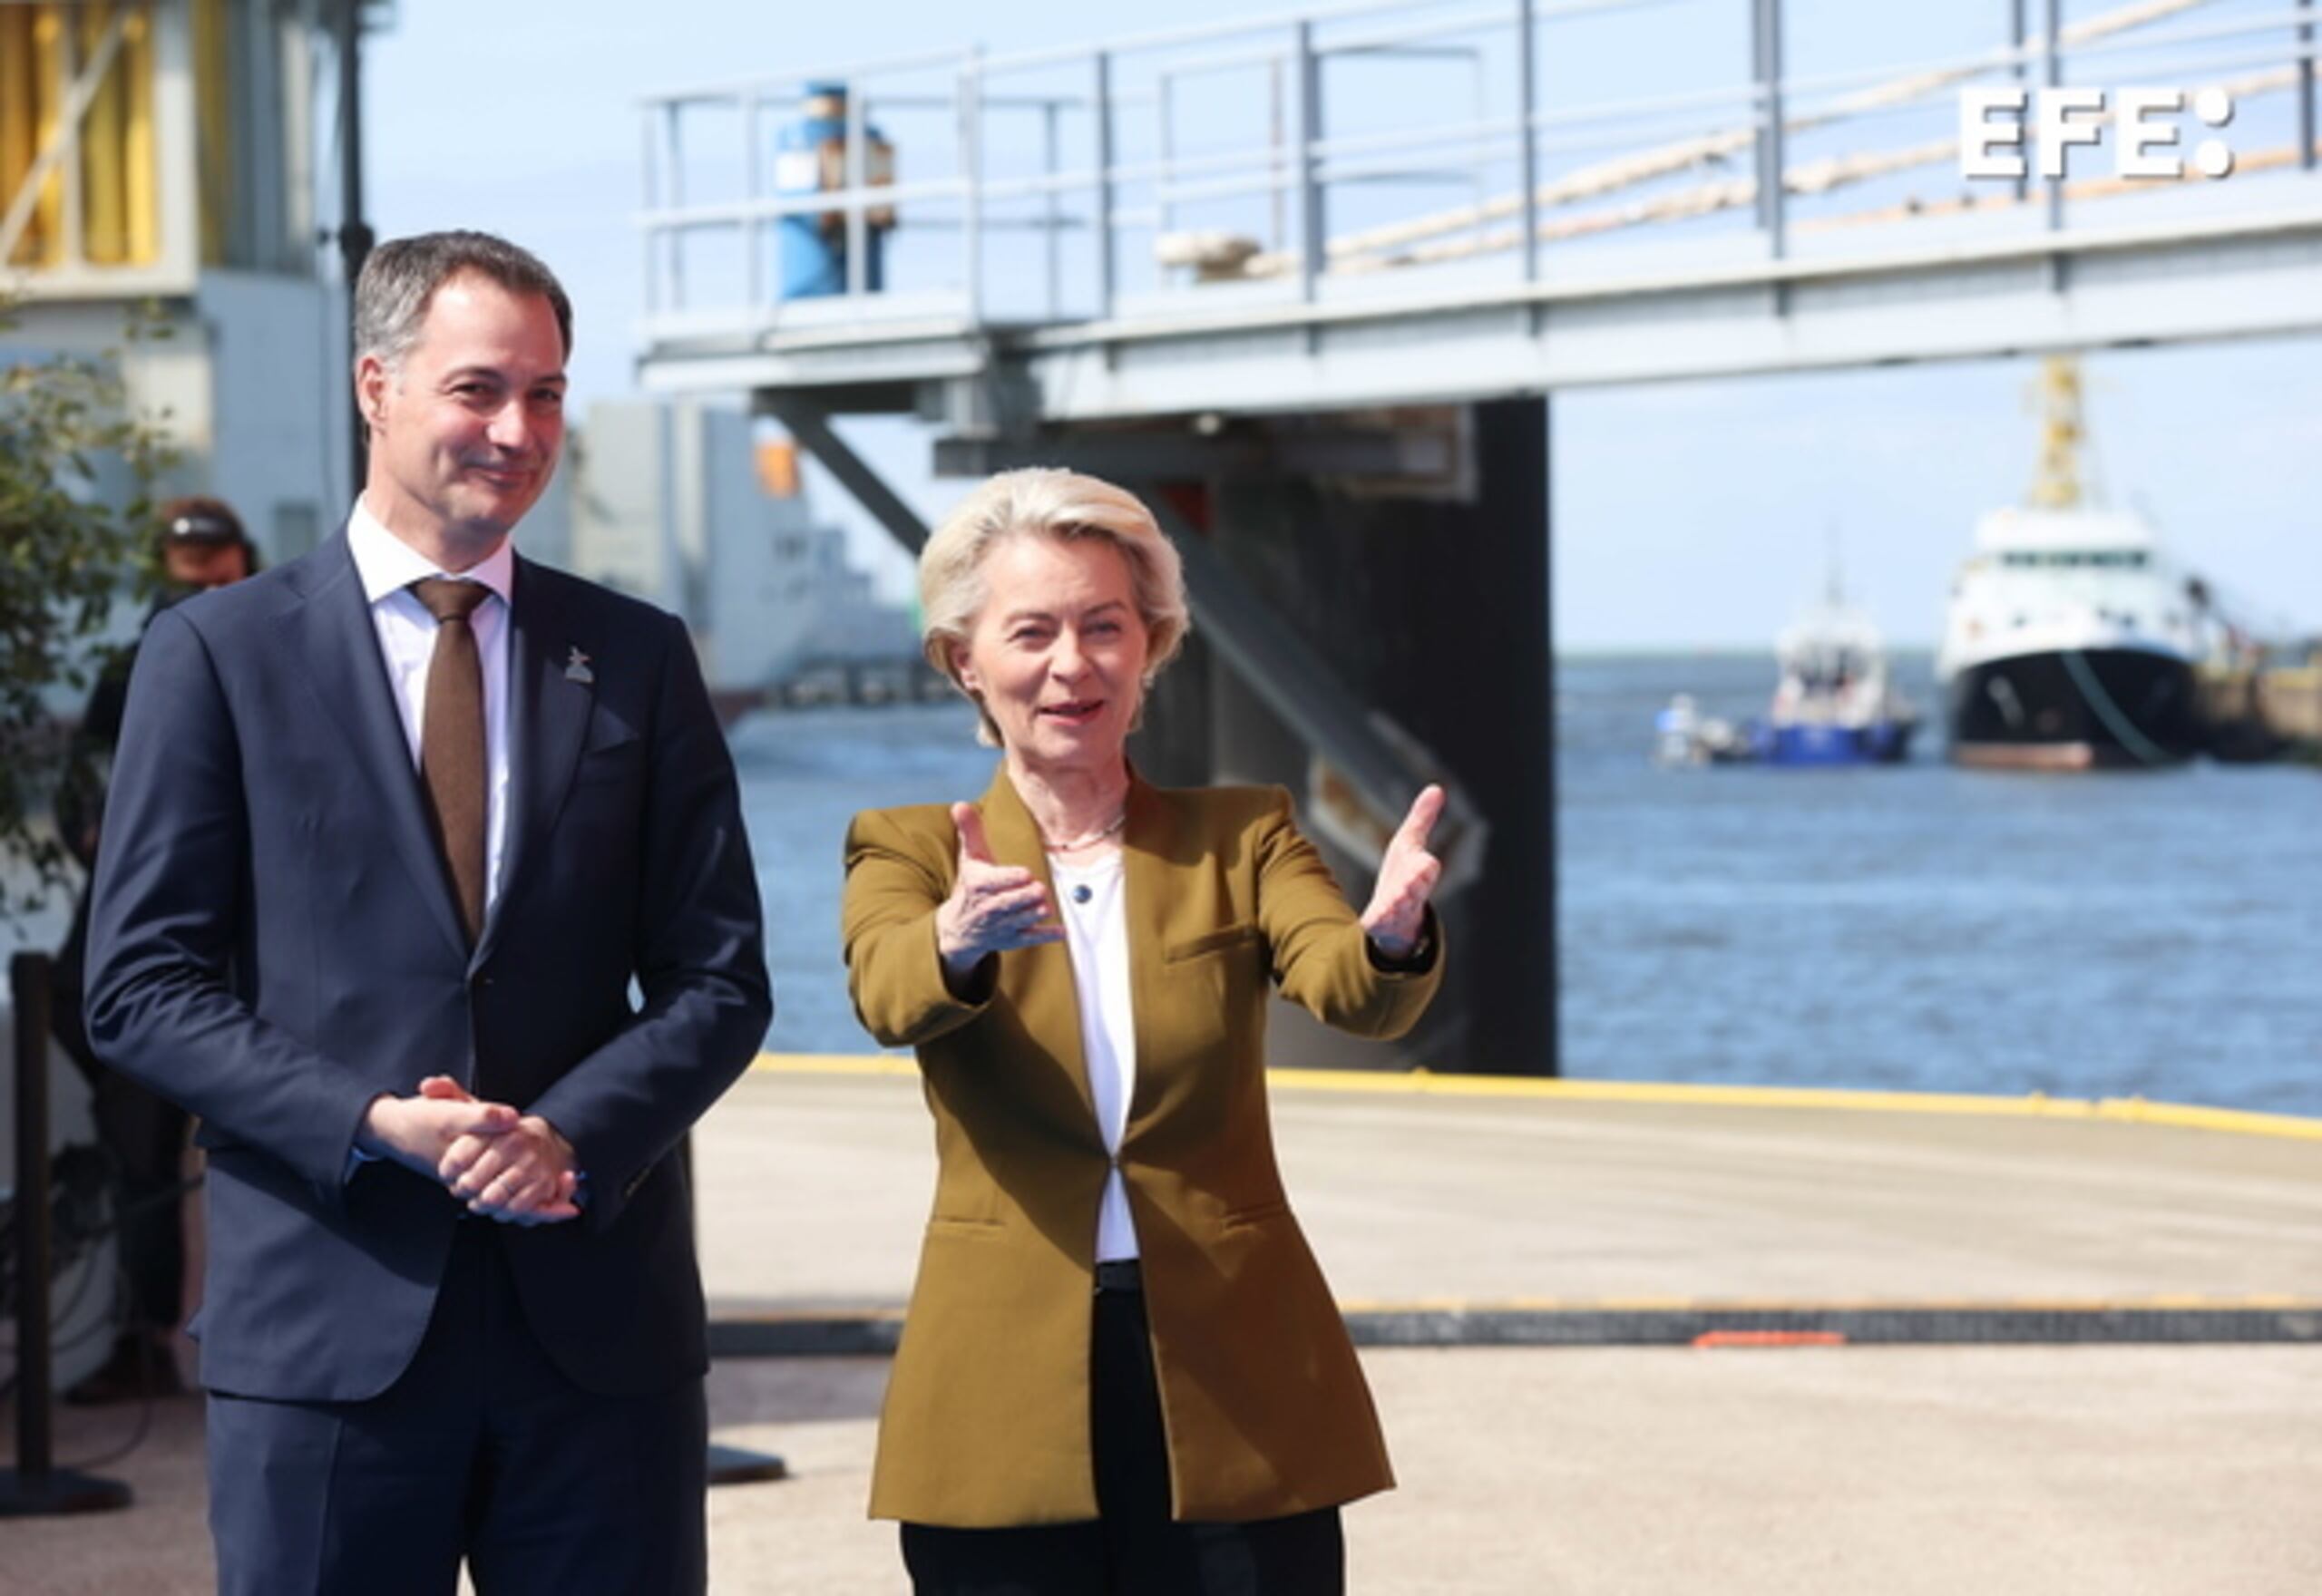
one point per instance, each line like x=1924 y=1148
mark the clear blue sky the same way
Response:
x=1692 y=515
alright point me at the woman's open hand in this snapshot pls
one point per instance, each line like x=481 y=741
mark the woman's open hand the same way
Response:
x=993 y=908
x=1406 y=878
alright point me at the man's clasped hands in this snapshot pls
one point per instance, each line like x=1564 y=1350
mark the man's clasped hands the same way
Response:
x=505 y=1165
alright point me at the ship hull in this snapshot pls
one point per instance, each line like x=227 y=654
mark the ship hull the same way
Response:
x=1885 y=742
x=2078 y=709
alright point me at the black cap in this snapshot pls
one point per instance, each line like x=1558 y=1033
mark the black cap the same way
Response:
x=210 y=523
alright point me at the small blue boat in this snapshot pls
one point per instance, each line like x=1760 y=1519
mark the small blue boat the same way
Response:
x=1835 y=703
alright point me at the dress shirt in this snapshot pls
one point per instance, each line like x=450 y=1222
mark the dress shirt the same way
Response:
x=388 y=566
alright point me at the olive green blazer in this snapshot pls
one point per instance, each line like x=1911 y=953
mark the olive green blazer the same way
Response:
x=986 y=1421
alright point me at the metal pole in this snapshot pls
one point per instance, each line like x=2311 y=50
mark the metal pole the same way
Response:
x=1108 y=265
x=674 y=142
x=1765 y=38
x=36 y=1486
x=354 y=235
x=652 y=152
x=1312 y=245
x=971 y=173
x=1051 y=213
x=1527 y=154
x=1280 y=238
x=858 y=219
x=2052 y=75
x=2017 y=22
x=1164 y=96
x=1479 y=176
x=754 y=189
x=2306 y=88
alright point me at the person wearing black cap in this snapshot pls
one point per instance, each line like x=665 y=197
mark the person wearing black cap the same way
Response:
x=204 y=546
x=200 y=544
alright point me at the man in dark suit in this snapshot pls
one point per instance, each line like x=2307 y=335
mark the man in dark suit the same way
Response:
x=394 y=830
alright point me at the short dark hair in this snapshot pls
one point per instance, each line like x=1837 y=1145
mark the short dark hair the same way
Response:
x=400 y=277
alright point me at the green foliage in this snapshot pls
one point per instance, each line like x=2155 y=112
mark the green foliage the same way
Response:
x=77 y=469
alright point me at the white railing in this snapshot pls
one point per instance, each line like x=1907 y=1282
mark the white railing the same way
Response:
x=1280 y=156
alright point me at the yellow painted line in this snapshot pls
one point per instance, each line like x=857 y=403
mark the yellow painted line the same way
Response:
x=836 y=1063
x=2192 y=1116
x=2034 y=1106
x=1462 y=1305
x=2167 y=1304
x=1426 y=1083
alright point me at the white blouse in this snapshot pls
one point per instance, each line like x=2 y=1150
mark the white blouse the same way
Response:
x=1090 y=902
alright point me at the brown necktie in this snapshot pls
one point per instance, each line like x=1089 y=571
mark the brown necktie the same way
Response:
x=451 y=756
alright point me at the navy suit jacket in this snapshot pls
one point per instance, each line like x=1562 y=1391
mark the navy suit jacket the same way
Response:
x=275 y=942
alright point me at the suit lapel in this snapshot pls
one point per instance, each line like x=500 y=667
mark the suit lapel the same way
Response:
x=340 y=644
x=551 y=689
x=1044 y=974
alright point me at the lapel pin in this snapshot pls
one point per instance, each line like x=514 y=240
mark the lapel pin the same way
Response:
x=576 y=669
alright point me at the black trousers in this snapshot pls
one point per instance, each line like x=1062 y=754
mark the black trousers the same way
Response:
x=1133 y=1549
x=482 y=1451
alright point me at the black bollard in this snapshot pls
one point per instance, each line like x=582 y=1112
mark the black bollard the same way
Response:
x=35 y=1487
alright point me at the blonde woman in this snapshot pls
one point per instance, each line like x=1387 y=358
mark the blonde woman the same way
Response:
x=1122 y=1370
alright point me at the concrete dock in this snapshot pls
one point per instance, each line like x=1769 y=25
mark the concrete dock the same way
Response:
x=2023 y=1464
x=1433 y=1192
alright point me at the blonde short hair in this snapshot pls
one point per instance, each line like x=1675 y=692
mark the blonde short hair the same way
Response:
x=1046 y=502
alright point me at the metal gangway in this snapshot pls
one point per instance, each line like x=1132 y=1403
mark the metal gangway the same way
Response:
x=1277 y=212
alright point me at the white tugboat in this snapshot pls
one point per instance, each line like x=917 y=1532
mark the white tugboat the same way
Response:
x=2070 y=644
